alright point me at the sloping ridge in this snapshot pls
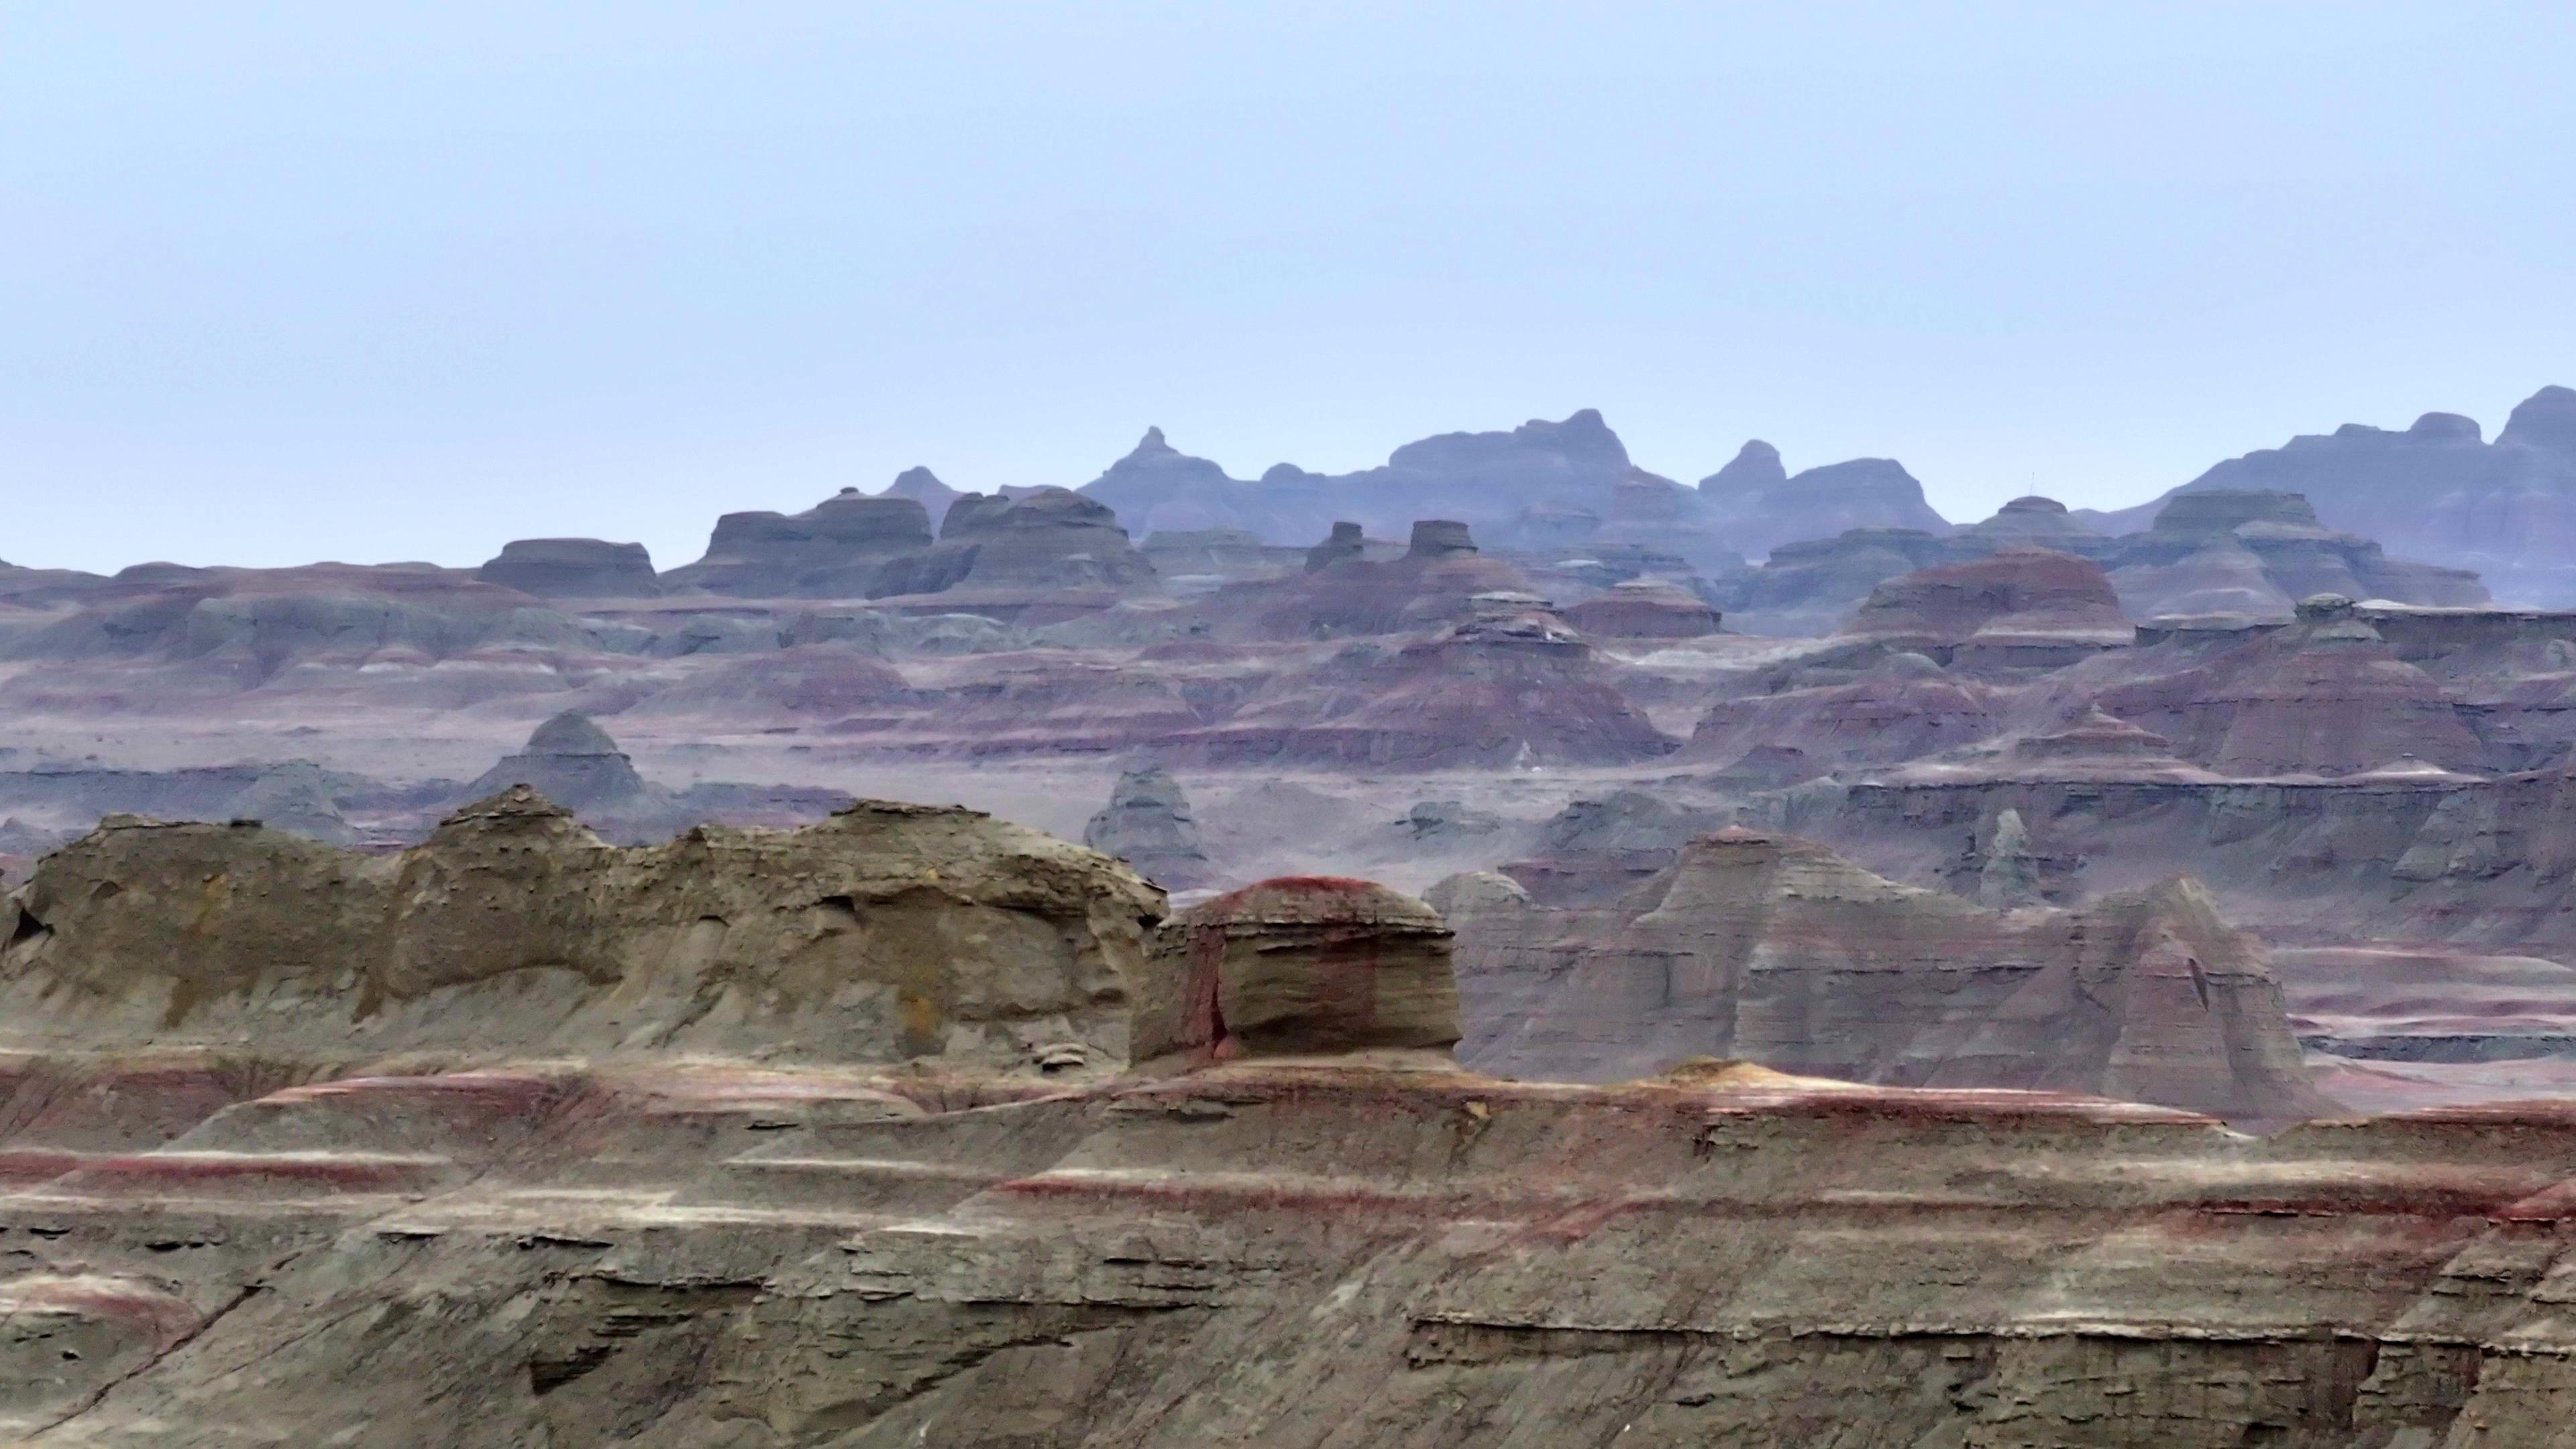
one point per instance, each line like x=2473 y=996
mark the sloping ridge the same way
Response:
x=1779 y=951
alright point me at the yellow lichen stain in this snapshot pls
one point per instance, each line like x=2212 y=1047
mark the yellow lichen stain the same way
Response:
x=212 y=898
x=924 y=1025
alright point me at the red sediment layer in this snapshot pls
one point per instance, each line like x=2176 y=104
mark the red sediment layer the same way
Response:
x=19 y=1166
x=182 y=1169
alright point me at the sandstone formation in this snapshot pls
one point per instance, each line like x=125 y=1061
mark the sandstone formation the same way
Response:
x=1439 y=538
x=1777 y=950
x=2231 y=551
x=574 y=568
x=1644 y=609
x=887 y=933
x=1903 y=708
x=1148 y=824
x=2020 y=607
x=2325 y=696
x=1516 y=690
x=1195 y=561
x=1295 y=1254
x=1297 y=967
x=1343 y=545
x=832 y=550
x=1049 y=538
x=2031 y=521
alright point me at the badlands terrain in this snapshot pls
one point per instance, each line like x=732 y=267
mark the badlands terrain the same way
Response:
x=1501 y=948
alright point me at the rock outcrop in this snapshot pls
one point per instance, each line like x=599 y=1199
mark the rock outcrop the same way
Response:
x=1148 y=824
x=573 y=568
x=298 y=797
x=571 y=761
x=2325 y=696
x=1644 y=609
x=887 y=933
x=1775 y=949
x=2252 y=553
x=1300 y=966
x=2020 y=607
x=1046 y=539
x=835 y=549
x=1440 y=538
x=1342 y=545
x=1516 y=690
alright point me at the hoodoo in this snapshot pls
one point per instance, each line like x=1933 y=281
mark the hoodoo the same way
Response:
x=1293 y=967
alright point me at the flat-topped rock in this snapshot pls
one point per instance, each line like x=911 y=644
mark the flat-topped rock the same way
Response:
x=832 y=550
x=1439 y=538
x=575 y=568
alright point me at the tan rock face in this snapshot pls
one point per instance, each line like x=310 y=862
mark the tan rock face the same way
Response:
x=887 y=933
x=1298 y=966
x=1776 y=950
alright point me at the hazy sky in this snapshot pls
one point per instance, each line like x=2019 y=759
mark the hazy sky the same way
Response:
x=378 y=281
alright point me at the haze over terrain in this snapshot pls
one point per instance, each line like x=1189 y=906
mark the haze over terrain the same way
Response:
x=347 y=282
x=1080 y=727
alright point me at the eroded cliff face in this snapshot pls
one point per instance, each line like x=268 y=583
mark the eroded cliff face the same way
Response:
x=231 y=1214
x=889 y=932
x=1777 y=950
x=1277 y=1253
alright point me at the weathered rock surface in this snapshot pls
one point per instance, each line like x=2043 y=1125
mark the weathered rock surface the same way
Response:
x=1300 y=966
x=2325 y=696
x=1299 y=1254
x=1148 y=824
x=887 y=933
x=573 y=568
x=1644 y=609
x=2020 y=607
x=1521 y=689
x=1777 y=950
x=1046 y=539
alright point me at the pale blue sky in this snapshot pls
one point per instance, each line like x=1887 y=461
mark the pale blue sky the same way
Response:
x=376 y=281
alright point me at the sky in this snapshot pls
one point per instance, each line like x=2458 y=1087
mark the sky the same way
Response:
x=287 y=282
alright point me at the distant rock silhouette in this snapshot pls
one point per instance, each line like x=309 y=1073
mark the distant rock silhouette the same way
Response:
x=832 y=550
x=573 y=568
x=2506 y=509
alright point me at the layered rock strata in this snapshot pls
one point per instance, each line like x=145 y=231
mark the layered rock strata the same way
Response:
x=1777 y=950
x=887 y=933
x=576 y=568
x=1297 y=967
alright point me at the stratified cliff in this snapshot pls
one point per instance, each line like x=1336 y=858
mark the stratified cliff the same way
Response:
x=1776 y=950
